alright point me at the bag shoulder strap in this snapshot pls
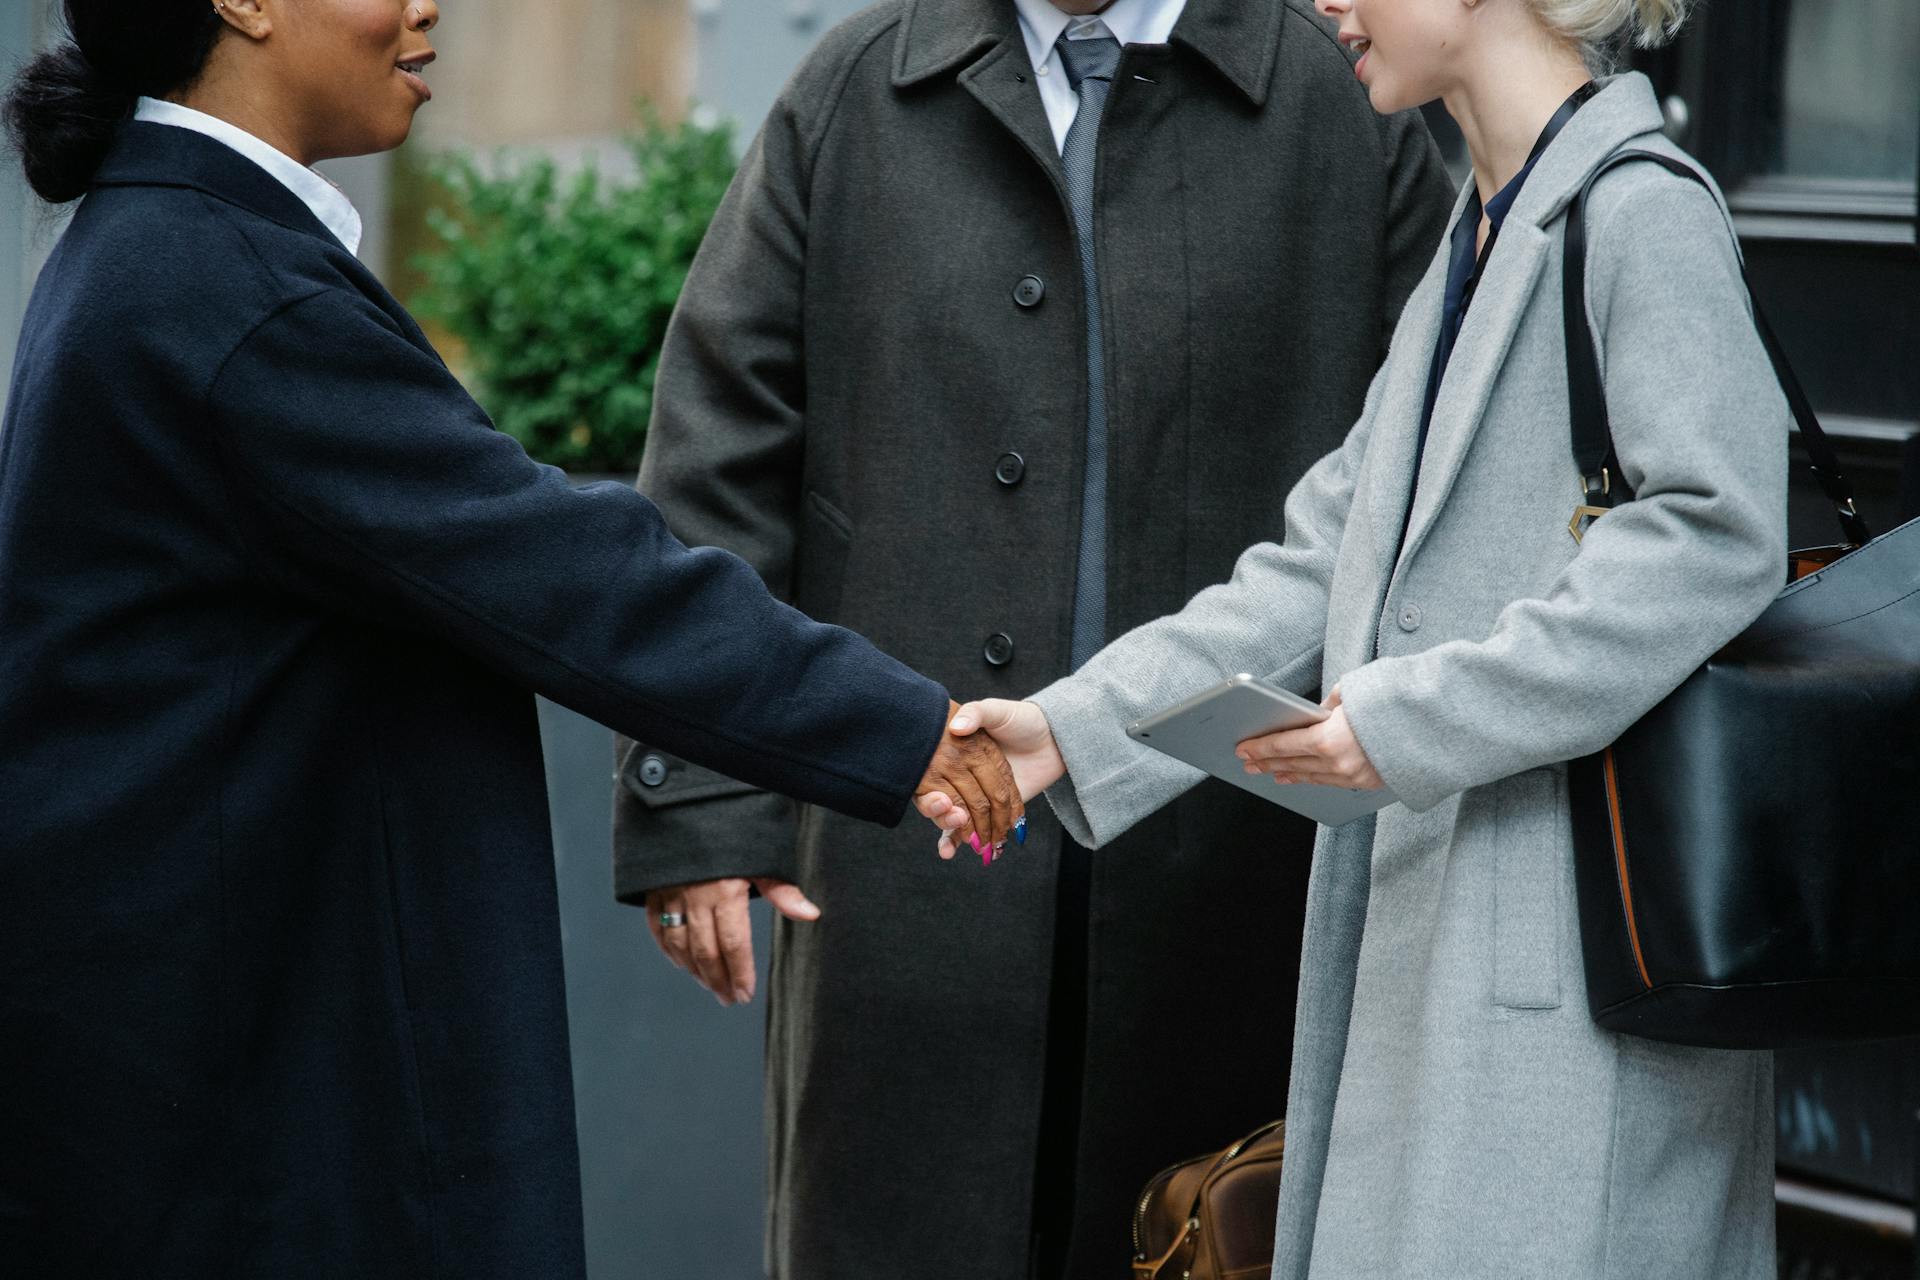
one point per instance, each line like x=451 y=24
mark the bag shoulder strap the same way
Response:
x=1593 y=450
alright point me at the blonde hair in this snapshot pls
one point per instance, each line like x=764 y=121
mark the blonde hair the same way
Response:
x=1602 y=26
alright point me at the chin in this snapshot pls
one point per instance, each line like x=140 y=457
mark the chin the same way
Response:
x=1387 y=100
x=400 y=135
x=394 y=135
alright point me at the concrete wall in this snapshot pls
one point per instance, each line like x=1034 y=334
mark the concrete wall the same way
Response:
x=17 y=39
x=744 y=50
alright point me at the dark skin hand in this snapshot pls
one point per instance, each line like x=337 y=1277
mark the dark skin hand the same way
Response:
x=974 y=772
x=714 y=942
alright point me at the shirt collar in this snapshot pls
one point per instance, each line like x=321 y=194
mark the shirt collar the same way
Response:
x=328 y=203
x=1128 y=21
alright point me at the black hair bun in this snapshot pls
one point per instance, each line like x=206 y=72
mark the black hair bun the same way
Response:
x=62 y=114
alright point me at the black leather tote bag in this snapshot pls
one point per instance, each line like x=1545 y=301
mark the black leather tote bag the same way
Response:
x=1748 y=854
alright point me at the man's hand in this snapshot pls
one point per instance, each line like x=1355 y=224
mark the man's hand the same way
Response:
x=1326 y=753
x=715 y=942
x=1021 y=732
x=975 y=788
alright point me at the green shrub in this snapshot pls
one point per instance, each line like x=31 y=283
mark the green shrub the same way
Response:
x=560 y=288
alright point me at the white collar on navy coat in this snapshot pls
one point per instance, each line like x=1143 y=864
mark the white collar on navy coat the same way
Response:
x=329 y=204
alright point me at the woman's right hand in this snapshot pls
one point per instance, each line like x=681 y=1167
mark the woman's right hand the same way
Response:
x=1023 y=735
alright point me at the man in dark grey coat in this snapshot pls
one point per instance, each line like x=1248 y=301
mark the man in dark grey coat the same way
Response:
x=885 y=390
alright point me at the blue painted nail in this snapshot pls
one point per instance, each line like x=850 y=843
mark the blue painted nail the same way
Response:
x=1020 y=831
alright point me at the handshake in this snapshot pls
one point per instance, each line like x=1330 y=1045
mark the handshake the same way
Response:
x=995 y=756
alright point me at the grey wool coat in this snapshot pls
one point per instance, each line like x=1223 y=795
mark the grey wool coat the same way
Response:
x=1453 y=1110
x=853 y=398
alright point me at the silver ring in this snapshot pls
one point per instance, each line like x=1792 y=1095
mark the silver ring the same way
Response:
x=672 y=920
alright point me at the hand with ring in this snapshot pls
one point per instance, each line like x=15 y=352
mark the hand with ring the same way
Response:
x=704 y=928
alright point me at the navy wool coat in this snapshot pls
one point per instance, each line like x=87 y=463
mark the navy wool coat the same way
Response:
x=280 y=987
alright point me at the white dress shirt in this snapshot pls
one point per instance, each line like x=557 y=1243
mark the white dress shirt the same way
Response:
x=329 y=204
x=1128 y=21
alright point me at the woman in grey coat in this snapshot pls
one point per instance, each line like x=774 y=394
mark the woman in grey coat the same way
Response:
x=1453 y=1110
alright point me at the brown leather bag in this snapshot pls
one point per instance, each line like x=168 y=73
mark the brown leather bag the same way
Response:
x=1212 y=1218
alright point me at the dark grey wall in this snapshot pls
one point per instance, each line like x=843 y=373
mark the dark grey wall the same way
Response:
x=666 y=1082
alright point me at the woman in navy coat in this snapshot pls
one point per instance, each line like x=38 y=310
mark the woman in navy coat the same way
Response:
x=280 y=988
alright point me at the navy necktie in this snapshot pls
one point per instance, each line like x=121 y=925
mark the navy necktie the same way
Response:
x=1090 y=66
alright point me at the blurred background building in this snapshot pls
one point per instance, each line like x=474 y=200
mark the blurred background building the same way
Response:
x=1808 y=112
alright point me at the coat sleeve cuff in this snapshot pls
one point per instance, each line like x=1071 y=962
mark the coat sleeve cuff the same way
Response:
x=694 y=825
x=1112 y=782
x=1392 y=737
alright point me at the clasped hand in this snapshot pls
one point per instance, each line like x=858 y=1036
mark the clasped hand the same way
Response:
x=995 y=756
x=705 y=929
x=1020 y=733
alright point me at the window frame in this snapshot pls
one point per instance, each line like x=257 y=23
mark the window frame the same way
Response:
x=1721 y=86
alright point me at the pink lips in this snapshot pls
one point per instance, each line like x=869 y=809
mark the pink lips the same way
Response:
x=413 y=78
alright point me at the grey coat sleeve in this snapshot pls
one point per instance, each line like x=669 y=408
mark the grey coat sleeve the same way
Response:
x=1660 y=583
x=1270 y=619
x=723 y=463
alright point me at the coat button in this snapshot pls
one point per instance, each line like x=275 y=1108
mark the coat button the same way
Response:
x=1029 y=291
x=1410 y=618
x=999 y=650
x=653 y=771
x=1010 y=469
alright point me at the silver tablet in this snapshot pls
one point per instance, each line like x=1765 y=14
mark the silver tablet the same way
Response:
x=1204 y=730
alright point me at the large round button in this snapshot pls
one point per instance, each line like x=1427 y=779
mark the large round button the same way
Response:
x=999 y=650
x=1009 y=469
x=653 y=771
x=1030 y=291
x=1410 y=618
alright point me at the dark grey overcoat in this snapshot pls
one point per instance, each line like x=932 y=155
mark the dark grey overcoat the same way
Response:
x=843 y=395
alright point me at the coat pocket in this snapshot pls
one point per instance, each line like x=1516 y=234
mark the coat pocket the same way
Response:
x=1532 y=849
x=820 y=576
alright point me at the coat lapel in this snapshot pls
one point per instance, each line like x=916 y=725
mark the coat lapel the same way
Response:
x=1491 y=323
x=982 y=41
x=1397 y=417
x=1624 y=109
x=145 y=154
x=1238 y=38
x=1012 y=99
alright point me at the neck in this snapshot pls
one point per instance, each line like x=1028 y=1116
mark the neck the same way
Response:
x=1505 y=98
x=1081 y=8
x=224 y=100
